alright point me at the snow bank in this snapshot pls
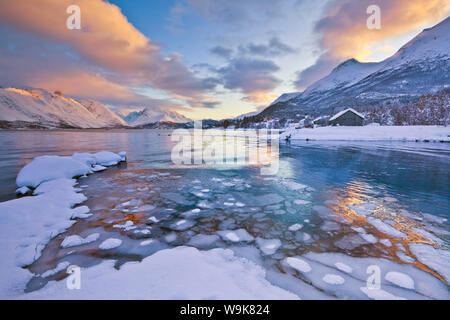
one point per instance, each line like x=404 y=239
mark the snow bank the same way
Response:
x=27 y=224
x=48 y=168
x=368 y=133
x=178 y=273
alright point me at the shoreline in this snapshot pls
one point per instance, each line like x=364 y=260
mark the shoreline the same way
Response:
x=439 y=134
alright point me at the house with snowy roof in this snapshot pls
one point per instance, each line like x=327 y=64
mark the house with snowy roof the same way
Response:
x=347 y=117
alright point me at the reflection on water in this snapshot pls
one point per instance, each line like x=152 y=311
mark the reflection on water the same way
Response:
x=365 y=200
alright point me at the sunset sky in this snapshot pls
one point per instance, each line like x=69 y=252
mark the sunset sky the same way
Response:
x=202 y=58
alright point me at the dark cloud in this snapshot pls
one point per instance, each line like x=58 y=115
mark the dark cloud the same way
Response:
x=274 y=48
x=235 y=13
x=222 y=51
x=252 y=76
x=210 y=104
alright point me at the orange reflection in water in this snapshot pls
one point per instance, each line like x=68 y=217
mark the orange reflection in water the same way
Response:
x=353 y=195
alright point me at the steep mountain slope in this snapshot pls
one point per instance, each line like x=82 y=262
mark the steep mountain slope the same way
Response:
x=419 y=67
x=38 y=106
x=149 y=116
x=103 y=113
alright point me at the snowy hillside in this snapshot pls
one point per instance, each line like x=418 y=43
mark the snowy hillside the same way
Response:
x=103 y=113
x=345 y=74
x=149 y=116
x=286 y=97
x=420 y=67
x=38 y=106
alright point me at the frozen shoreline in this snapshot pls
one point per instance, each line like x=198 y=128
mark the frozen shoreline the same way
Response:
x=27 y=224
x=371 y=133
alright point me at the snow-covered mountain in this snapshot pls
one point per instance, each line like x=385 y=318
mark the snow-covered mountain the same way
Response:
x=103 y=113
x=39 y=108
x=31 y=106
x=420 y=67
x=249 y=114
x=149 y=116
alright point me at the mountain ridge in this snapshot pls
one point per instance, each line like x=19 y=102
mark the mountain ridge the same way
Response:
x=28 y=107
x=418 y=67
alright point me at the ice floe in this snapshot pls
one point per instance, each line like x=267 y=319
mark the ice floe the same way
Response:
x=343 y=267
x=428 y=235
x=110 y=243
x=436 y=259
x=295 y=227
x=298 y=264
x=385 y=228
x=268 y=246
x=301 y=202
x=146 y=242
x=76 y=240
x=181 y=225
x=239 y=235
x=404 y=257
x=333 y=279
x=203 y=241
x=400 y=279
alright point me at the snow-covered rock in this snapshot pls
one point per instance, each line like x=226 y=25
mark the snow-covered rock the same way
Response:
x=27 y=224
x=46 y=168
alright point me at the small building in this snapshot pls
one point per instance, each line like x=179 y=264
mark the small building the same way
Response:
x=321 y=121
x=347 y=117
x=305 y=123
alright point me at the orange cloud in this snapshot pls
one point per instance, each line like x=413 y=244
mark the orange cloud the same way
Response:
x=107 y=40
x=83 y=84
x=261 y=97
x=345 y=33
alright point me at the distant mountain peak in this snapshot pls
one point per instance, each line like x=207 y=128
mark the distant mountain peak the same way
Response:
x=149 y=116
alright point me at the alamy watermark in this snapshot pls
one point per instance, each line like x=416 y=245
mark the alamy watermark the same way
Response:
x=73 y=281
x=374 y=20
x=226 y=147
x=73 y=22
x=374 y=280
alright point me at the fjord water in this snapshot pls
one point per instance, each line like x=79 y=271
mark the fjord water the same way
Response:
x=319 y=186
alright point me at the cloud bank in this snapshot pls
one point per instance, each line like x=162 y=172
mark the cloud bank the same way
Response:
x=344 y=33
